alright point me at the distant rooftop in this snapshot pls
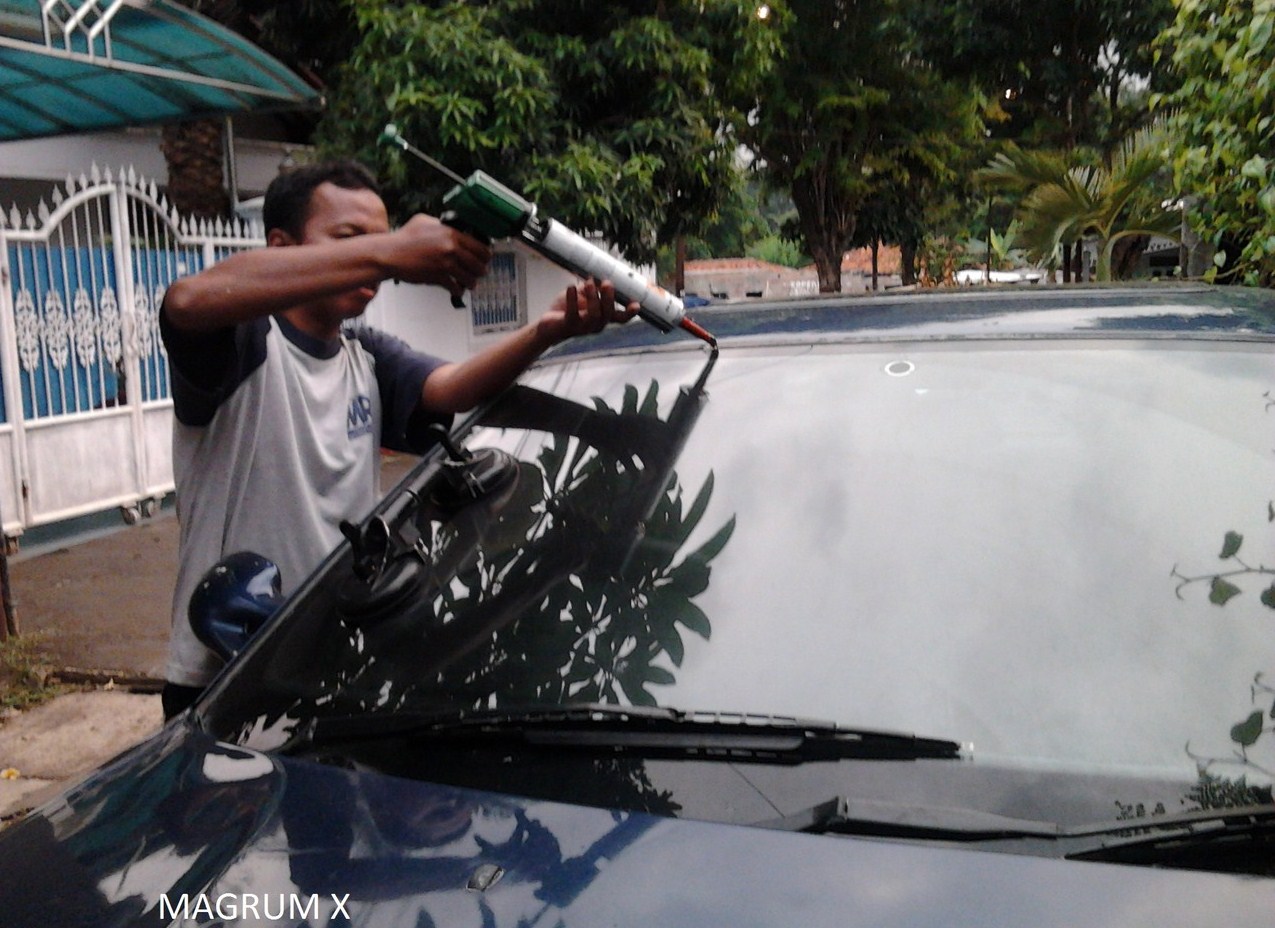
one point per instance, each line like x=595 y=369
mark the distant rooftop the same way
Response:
x=736 y=264
x=889 y=260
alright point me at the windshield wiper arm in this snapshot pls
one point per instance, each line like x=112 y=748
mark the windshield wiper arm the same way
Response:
x=845 y=816
x=645 y=731
x=842 y=815
x=1233 y=839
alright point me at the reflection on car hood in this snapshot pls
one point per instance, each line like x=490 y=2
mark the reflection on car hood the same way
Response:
x=184 y=825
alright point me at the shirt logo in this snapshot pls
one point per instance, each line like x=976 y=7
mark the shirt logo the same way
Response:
x=359 y=419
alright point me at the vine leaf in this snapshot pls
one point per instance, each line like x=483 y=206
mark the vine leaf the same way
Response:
x=1222 y=590
x=1268 y=596
x=1246 y=733
x=1231 y=545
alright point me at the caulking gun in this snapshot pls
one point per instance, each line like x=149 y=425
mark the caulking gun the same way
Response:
x=482 y=206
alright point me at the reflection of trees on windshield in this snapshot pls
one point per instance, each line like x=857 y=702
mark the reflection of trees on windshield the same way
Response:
x=567 y=580
x=588 y=554
x=1222 y=589
x=571 y=582
x=1225 y=585
x=1246 y=732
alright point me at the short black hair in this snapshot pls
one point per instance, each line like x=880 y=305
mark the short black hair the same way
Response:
x=287 y=202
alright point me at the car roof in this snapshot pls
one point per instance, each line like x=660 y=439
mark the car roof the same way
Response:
x=1159 y=310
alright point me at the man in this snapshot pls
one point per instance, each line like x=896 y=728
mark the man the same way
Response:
x=281 y=413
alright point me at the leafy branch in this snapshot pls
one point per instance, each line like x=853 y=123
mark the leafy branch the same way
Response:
x=1246 y=732
x=1221 y=589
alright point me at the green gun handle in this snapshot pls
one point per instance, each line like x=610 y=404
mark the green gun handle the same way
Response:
x=453 y=219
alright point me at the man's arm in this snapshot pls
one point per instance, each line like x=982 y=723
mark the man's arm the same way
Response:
x=269 y=280
x=580 y=310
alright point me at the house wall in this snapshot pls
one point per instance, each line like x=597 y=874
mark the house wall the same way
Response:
x=742 y=283
x=424 y=318
x=731 y=285
x=29 y=168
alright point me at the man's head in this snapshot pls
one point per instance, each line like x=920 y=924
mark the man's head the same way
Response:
x=319 y=205
x=289 y=196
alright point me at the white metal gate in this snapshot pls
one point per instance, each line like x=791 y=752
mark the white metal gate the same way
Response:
x=86 y=409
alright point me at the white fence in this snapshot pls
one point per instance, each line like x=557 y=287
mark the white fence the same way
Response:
x=86 y=409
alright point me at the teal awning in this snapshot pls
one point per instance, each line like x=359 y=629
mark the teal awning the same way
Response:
x=80 y=65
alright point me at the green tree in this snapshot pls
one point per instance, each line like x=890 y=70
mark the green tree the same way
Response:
x=891 y=216
x=742 y=219
x=1223 y=122
x=1223 y=587
x=1060 y=74
x=612 y=118
x=850 y=101
x=1014 y=172
x=776 y=249
x=919 y=173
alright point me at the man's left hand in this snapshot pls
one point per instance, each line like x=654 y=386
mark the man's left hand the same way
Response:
x=583 y=310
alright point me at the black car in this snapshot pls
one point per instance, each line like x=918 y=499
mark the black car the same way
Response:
x=949 y=608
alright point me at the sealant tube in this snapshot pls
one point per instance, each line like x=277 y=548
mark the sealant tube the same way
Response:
x=576 y=253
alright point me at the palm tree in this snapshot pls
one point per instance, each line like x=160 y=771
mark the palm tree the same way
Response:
x=310 y=36
x=1065 y=203
x=1016 y=171
x=194 y=149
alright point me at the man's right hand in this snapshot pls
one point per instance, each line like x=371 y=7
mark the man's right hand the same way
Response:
x=427 y=251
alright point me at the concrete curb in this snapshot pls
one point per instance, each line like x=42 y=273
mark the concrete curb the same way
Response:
x=115 y=679
x=45 y=749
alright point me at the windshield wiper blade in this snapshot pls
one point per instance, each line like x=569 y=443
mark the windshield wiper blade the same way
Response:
x=648 y=731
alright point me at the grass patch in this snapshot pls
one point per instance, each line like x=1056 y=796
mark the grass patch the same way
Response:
x=24 y=674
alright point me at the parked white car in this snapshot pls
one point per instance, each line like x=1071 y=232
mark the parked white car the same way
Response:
x=976 y=275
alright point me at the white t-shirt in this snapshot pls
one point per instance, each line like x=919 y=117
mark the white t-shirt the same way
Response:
x=277 y=439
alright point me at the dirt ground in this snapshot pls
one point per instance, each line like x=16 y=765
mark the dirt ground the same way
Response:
x=99 y=608
x=101 y=604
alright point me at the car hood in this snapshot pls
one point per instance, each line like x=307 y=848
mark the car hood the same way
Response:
x=187 y=830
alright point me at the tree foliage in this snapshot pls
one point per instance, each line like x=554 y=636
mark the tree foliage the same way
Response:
x=747 y=215
x=1060 y=74
x=1223 y=116
x=922 y=168
x=850 y=110
x=613 y=118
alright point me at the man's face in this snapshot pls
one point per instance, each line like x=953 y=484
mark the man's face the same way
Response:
x=339 y=213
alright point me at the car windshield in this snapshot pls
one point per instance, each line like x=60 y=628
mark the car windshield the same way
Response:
x=1052 y=551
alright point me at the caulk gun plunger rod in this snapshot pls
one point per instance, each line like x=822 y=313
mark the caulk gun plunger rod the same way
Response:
x=391 y=136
